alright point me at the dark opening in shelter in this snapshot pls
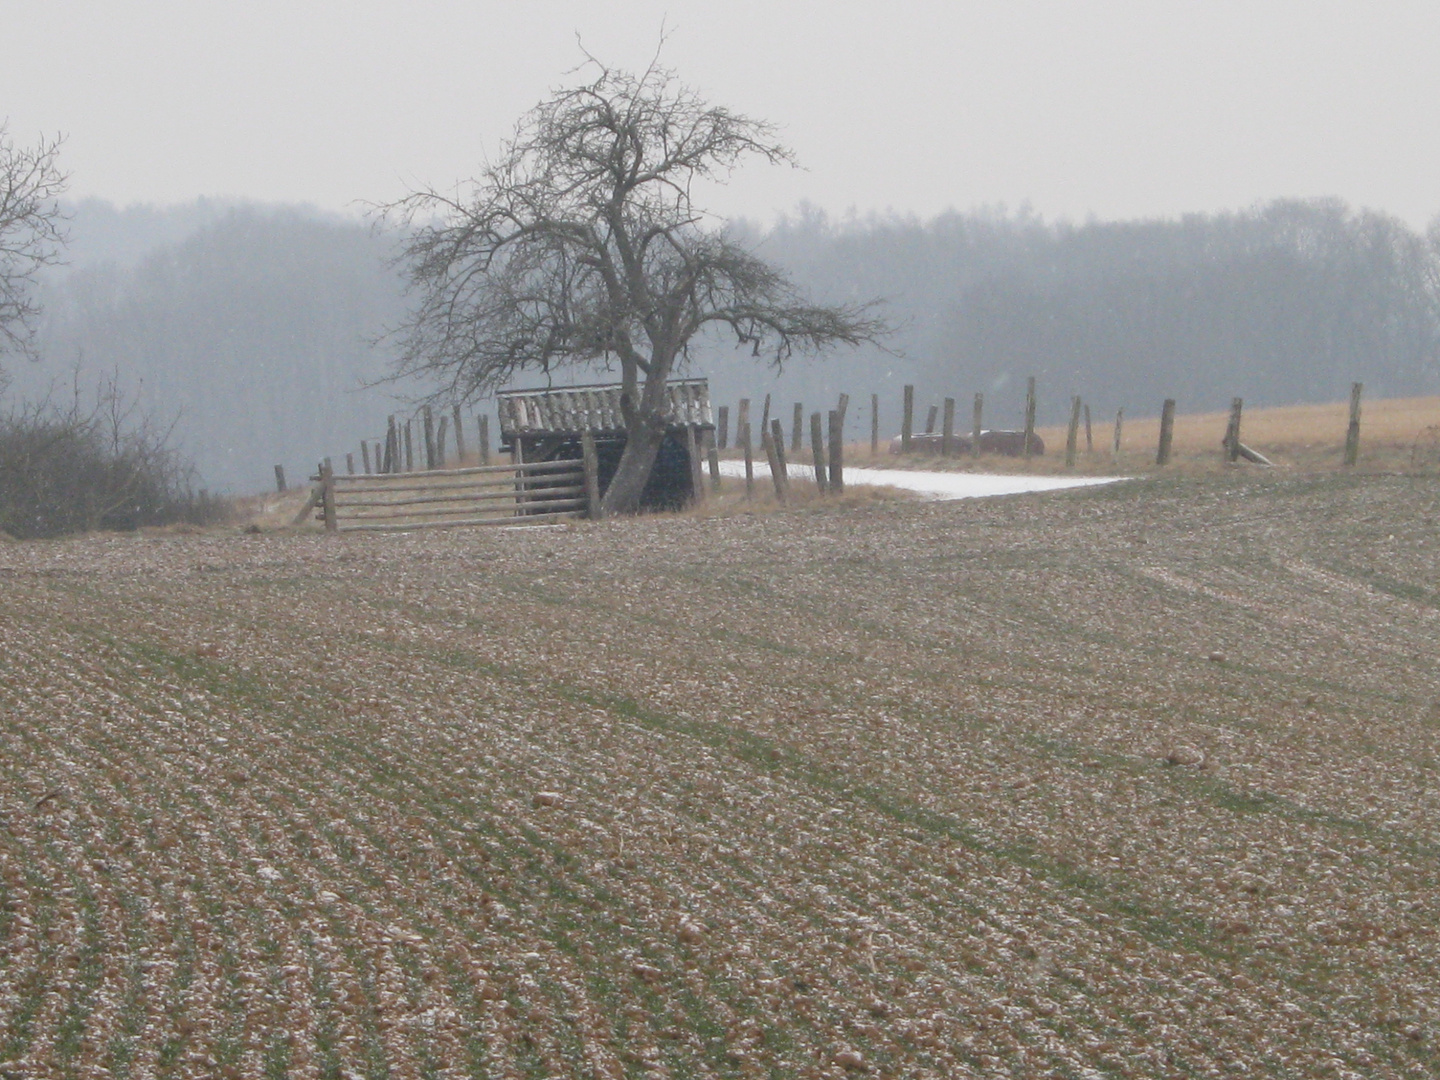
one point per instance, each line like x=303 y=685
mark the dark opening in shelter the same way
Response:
x=546 y=425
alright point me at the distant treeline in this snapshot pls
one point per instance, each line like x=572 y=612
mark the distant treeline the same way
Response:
x=1287 y=302
x=254 y=330
x=256 y=324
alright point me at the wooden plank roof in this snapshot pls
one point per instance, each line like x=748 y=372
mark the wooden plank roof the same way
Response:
x=570 y=410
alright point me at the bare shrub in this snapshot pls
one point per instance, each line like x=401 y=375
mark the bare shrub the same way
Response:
x=101 y=464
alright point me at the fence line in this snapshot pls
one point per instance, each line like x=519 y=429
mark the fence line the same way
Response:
x=525 y=493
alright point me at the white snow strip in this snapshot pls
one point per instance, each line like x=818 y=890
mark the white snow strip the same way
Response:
x=934 y=485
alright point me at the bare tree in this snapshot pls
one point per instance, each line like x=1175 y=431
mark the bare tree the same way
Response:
x=582 y=246
x=32 y=232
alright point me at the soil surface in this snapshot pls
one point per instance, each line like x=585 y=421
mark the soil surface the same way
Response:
x=1139 y=780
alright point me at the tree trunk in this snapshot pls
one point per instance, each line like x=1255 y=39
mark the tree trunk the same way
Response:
x=642 y=444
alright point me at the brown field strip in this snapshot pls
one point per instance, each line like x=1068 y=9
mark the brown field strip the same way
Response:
x=1136 y=781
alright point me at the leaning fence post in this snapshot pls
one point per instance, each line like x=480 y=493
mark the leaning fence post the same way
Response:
x=280 y=479
x=797 y=428
x=842 y=406
x=930 y=419
x=590 y=461
x=327 y=496
x=1352 y=433
x=350 y=462
x=1089 y=434
x=874 y=424
x=722 y=431
x=779 y=473
x=765 y=417
x=1072 y=435
x=837 y=453
x=907 y=419
x=409 y=449
x=947 y=430
x=979 y=413
x=365 y=455
x=1029 y=417
x=817 y=450
x=1119 y=421
x=1167 y=431
x=1232 y=431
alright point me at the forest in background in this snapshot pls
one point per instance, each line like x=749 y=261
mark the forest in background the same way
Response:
x=259 y=330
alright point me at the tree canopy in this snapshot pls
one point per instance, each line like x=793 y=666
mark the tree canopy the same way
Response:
x=583 y=247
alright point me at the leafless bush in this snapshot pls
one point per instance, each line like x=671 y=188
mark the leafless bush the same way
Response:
x=88 y=465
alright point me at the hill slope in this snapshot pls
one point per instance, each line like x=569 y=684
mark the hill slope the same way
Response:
x=1134 y=782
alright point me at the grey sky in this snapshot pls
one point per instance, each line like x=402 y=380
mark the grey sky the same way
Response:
x=1116 y=108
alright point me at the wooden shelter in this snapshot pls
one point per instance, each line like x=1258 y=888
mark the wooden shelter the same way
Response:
x=547 y=424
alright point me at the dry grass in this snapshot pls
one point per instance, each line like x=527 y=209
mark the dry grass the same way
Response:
x=803 y=495
x=1396 y=434
x=1131 y=782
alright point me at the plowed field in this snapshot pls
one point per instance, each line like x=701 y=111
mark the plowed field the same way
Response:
x=1133 y=781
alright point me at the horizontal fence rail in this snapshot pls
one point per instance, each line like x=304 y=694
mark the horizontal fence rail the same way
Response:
x=528 y=493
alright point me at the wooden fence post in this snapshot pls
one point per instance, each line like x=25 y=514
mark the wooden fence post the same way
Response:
x=484 y=440
x=765 y=417
x=409 y=449
x=365 y=455
x=777 y=474
x=1115 y=446
x=697 y=476
x=797 y=428
x=722 y=432
x=1167 y=431
x=1029 y=417
x=429 y=419
x=1089 y=436
x=440 y=442
x=842 y=407
x=743 y=434
x=975 y=434
x=742 y=416
x=517 y=458
x=817 y=450
x=459 y=437
x=714 y=455
x=392 y=446
x=837 y=453
x=590 y=461
x=1352 y=433
x=930 y=418
x=280 y=479
x=1232 y=431
x=1072 y=435
x=350 y=462
x=947 y=429
x=874 y=424
x=327 y=496
x=907 y=419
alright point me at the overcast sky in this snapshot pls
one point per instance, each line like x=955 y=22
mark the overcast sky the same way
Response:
x=1116 y=108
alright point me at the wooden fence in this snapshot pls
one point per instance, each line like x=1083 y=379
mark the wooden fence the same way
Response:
x=519 y=494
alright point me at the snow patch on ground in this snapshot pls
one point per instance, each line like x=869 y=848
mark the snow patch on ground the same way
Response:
x=935 y=485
